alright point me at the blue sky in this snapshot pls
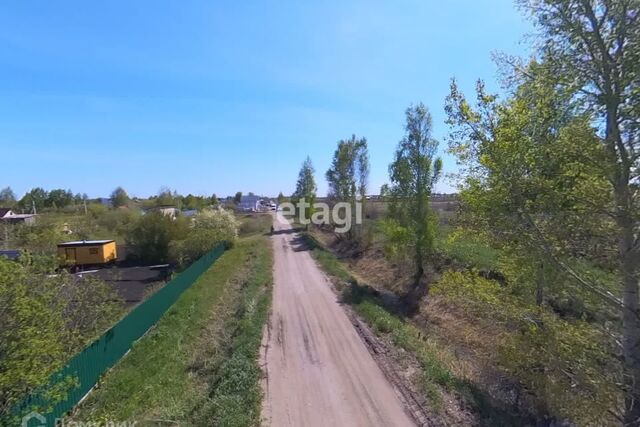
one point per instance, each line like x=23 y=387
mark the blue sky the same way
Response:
x=217 y=97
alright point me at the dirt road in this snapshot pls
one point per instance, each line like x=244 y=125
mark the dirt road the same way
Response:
x=318 y=370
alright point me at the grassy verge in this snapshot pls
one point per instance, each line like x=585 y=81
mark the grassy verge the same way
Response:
x=438 y=378
x=254 y=223
x=402 y=333
x=199 y=365
x=485 y=343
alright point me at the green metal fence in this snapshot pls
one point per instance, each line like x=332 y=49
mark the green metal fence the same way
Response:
x=86 y=367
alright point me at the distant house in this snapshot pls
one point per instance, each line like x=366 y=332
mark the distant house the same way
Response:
x=250 y=203
x=10 y=217
x=170 y=211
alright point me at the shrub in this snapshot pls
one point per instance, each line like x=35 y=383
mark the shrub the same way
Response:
x=151 y=235
x=209 y=228
x=568 y=365
x=45 y=320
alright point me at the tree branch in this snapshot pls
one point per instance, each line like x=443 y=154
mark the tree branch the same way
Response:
x=544 y=245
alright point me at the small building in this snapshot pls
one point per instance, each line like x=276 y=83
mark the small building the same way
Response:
x=250 y=203
x=87 y=252
x=166 y=210
x=8 y=216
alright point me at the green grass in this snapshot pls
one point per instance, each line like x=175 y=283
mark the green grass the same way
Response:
x=199 y=363
x=408 y=337
x=464 y=249
x=235 y=395
x=252 y=224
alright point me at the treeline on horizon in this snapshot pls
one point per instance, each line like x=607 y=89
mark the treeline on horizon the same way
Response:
x=39 y=198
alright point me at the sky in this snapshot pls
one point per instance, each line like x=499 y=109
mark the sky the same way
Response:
x=216 y=97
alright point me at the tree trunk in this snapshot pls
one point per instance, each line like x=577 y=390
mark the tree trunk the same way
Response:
x=631 y=329
x=418 y=291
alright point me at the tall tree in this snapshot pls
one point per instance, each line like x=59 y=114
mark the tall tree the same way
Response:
x=213 y=200
x=306 y=189
x=7 y=197
x=595 y=47
x=592 y=50
x=349 y=173
x=59 y=198
x=237 y=198
x=413 y=173
x=166 y=197
x=33 y=200
x=119 y=197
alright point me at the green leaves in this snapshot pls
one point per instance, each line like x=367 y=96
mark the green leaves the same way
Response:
x=45 y=319
x=306 y=187
x=349 y=172
x=413 y=173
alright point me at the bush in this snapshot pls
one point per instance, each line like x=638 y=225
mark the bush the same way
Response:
x=45 y=320
x=569 y=367
x=150 y=237
x=209 y=228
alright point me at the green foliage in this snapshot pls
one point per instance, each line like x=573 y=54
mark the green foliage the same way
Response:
x=567 y=365
x=536 y=176
x=150 y=236
x=7 y=198
x=305 y=189
x=59 y=198
x=238 y=197
x=349 y=172
x=36 y=197
x=413 y=173
x=167 y=197
x=40 y=238
x=208 y=228
x=45 y=319
x=469 y=250
x=348 y=176
x=119 y=197
x=116 y=221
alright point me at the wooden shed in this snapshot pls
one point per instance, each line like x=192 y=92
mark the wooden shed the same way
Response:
x=87 y=252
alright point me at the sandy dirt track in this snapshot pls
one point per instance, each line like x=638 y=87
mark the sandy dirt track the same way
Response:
x=318 y=372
